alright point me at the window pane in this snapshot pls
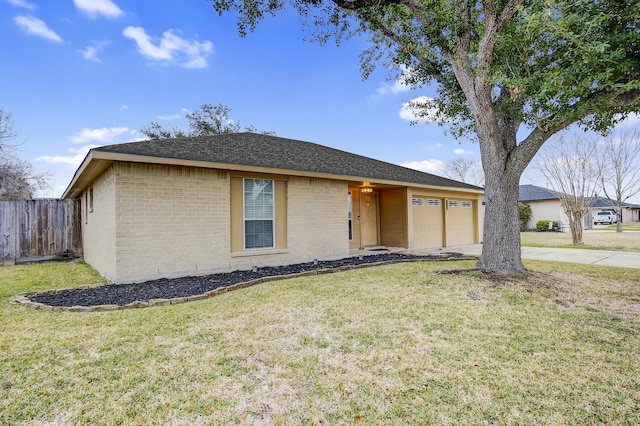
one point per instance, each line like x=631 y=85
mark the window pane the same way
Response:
x=258 y=199
x=258 y=233
x=258 y=213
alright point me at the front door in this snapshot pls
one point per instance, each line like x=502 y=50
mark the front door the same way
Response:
x=369 y=219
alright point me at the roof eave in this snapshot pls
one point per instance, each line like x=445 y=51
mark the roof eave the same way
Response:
x=97 y=161
x=90 y=168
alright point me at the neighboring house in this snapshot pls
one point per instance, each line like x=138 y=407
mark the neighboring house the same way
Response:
x=630 y=212
x=545 y=204
x=173 y=207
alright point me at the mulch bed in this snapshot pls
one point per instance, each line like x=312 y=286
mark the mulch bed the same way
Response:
x=165 y=288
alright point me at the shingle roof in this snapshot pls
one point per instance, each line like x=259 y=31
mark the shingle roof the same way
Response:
x=258 y=150
x=603 y=203
x=536 y=193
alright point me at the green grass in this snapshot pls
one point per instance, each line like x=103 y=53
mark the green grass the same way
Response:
x=390 y=345
x=593 y=240
x=635 y=226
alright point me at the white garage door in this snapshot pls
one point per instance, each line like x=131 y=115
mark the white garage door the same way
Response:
x=460 y=223
x=428 y=222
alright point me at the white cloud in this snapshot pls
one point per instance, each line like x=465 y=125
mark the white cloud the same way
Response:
x=37 y=27
x=399 y=85
x=171 y=48
x=460 y=151
x=73 y=160
x=91 y=52
x=170 y=117
x=124 y=107
x=395 y=88
x=22 y=3
x=429 y=166
x=101 y=135
x=421 y=108
x=95 y=8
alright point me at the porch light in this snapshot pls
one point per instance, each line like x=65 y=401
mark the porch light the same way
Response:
x=367 y=189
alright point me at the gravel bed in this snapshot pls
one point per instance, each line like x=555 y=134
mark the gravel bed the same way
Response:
x=169 y=288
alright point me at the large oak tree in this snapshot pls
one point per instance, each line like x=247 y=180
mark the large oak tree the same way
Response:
x=511 y=73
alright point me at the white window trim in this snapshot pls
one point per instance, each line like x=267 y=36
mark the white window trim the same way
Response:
x=273 y=217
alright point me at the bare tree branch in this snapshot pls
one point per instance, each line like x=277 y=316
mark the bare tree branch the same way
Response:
x=570 y=166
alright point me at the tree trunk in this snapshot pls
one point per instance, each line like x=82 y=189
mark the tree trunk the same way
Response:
x=575 y=223
x=501 y=236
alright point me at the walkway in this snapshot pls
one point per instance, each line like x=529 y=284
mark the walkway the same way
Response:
x=592 y=257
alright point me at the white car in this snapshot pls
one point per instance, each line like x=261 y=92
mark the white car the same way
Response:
x=607 y=217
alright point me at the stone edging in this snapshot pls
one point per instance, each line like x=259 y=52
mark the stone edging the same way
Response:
x=24 y=299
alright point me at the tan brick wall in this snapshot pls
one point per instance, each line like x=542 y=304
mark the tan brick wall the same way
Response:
x=316 y=225
x=172 y=221
x=318 y=217
x=176 y=221
x=99 y=225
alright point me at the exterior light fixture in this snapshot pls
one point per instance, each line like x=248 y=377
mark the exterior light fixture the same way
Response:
x=366 y=189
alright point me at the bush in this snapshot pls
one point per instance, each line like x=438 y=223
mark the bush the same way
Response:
x=543 y=225
x=525 y=213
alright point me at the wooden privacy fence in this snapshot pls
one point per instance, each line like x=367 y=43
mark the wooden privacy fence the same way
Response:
x=36 y=228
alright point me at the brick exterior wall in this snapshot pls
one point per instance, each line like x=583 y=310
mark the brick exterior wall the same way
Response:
x=99 y=225
x=172 y=221
x=318 y=217
x=316 y=225
x=152 y=221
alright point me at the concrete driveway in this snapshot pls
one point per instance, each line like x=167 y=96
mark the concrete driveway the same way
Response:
x=593 y=257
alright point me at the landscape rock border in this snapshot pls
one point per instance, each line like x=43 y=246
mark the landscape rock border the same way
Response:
x=24 y=299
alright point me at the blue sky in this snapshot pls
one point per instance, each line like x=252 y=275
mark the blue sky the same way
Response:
x=84 y=73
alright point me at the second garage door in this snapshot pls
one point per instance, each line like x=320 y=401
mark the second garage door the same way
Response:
x=460 y=222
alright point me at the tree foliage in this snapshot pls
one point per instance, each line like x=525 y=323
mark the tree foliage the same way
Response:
x=18 y=180
x=503 y=68
x=524 y=214
x=206 y=121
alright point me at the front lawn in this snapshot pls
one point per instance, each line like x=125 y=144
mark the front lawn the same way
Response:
x=634 y=226
x=387 y=345
x=595 y=240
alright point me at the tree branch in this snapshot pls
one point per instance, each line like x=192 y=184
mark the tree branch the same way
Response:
x=494 y=26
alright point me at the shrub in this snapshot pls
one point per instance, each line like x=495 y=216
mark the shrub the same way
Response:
x=525 y=213
x=543 y=225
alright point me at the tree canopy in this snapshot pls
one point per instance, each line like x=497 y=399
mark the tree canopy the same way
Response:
x=509 y=73
x=18 y=181
x=205 y=121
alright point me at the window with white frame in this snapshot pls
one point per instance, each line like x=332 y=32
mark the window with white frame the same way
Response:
x=258 y=214
x=418 y=202
x=466 y=204
x=452 y=203
x=433 y=203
